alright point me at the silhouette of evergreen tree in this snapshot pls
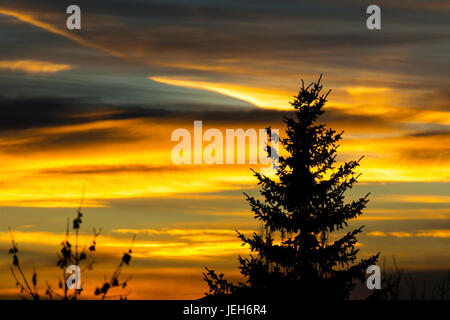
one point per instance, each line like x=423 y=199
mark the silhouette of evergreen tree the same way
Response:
x=300 y=210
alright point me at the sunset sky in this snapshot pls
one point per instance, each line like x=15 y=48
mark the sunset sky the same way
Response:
x=94 y=110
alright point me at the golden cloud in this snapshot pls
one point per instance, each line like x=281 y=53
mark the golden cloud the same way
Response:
x=32 y=66
x=377 y=234
x=261 y=97
x=401 y=234
x=434 y=233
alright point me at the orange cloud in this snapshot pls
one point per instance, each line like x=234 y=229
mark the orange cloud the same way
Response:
x=377 y=234
x=396 y=234
x=357 y=91
x=434 y=233
x=32 y=66
x=115 y=169
x=196 y=244
x=261 y=97
x=400 y=234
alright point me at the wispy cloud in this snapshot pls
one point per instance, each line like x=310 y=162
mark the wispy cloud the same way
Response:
x=400 y=234
x=27 y=18
x=403 y=234
x=377 y=234
x=173 y=243
x=32 y=66
x=434 y=233
x=264 y=98
x=414 y=198
x=360 y=90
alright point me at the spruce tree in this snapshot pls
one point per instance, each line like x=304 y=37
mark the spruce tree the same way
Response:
x=303 y=250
